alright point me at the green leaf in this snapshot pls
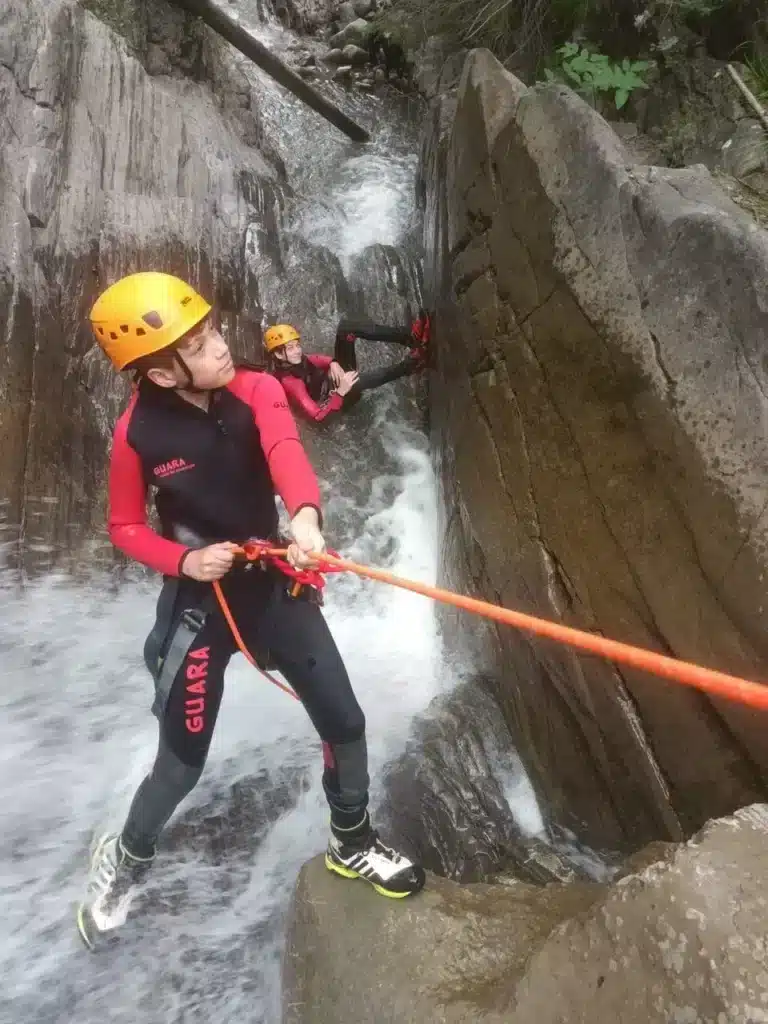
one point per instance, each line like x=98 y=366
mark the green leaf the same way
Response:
x=621 y=98
x=605 y=79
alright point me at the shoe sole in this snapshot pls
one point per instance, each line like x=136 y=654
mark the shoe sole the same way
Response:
x=339 y=869
x=82 y=929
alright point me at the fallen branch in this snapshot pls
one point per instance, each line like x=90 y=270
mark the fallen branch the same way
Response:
x=242 y=40
x=748 y=95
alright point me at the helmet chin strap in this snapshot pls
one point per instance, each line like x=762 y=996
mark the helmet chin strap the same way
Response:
x=190 y=387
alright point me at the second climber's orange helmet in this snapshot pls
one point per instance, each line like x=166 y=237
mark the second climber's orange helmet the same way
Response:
x=144 y=313
x=279 y=335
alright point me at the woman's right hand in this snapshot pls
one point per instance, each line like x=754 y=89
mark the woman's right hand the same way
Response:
x=211 y=563
x=347 y=382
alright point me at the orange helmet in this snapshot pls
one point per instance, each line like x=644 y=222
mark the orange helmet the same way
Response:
x=144 y=313
x=279 y=335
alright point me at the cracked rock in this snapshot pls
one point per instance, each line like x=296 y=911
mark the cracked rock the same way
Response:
x=599 y=409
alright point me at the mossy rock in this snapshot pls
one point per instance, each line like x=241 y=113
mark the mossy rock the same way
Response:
x=128 y=18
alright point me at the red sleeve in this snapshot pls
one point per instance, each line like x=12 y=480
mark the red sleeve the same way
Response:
x=128 y=529
x=297 y=390
x=322 y=362
x=292 y=473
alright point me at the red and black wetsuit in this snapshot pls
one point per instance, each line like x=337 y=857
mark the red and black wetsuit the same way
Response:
x=309 y=386
x=216 y=473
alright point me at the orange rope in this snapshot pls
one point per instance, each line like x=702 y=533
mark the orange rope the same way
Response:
x=720 y=684
x=241 y=643
x=685 y=672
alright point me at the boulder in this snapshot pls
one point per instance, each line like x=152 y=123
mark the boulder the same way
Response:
x=356 y=33
x=346 y=14
x=682 y=939
x=355 y=55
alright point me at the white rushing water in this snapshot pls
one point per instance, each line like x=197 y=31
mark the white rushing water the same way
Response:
x=78 y=735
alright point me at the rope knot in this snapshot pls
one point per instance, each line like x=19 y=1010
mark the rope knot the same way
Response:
x=264 y=552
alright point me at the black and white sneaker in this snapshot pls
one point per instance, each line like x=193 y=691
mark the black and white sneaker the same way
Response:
x=112 y=882
x=390 y=873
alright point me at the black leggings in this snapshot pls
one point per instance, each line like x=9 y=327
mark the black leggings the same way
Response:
x=293 y=634
x=345 y=356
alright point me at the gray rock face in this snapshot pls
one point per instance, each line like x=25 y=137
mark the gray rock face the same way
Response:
x=448 y=796
x=681 y=940
x=105 y=170
x=346 y=14
x=355 y=33
x=598 y=411
x=438 y=67
x=355 y=55
x=310 y=15
x=745 y=152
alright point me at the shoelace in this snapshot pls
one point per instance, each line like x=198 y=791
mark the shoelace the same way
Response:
x=106 y=872
x=377 y=846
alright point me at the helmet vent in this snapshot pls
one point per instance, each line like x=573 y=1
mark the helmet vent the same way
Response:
x=153 y=319
x=186 y=300
x=140 y=332
x=124 y=328
x=113 y=335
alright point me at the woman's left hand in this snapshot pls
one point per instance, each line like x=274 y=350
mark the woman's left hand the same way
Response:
x=336 y=371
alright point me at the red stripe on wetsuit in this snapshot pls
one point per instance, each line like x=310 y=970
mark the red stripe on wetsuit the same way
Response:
x=292 y=474
x=296 y=389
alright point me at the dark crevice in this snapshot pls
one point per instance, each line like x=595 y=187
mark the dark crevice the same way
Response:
x=483 y=365
x=466 y=281
x=669 y=380
x=461 y=246
x=538 y=307
x=663 y=805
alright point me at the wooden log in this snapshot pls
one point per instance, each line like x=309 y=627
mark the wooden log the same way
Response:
x=231 y=30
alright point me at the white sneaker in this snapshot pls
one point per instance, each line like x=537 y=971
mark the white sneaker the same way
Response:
x=112 y=881
x=390 y=873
